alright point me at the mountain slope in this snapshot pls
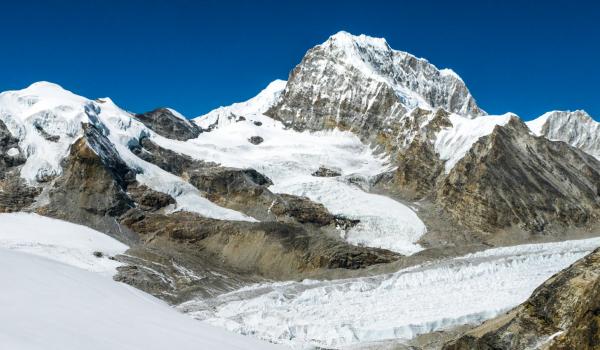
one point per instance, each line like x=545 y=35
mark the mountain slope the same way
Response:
x=52 y=305
x=367 y=81
x=511 y=178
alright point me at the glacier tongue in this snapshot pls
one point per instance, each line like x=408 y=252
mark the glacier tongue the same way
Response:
x=399 y=305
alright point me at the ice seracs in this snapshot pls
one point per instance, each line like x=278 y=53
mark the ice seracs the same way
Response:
x=400 y=305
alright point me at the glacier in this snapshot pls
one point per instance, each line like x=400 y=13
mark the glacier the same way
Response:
x=400 y=305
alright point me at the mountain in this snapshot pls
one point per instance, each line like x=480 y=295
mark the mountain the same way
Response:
x=256 y=105
x=369 y=175
x=357 y=81
x=438 y=138
x=577 y=128
x=90 y=162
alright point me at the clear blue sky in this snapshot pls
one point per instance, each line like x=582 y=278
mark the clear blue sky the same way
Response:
x=522 y=56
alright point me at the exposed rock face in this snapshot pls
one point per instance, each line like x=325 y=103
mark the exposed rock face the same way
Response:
x=15 y=193
x=170 y=124
x=270 y=249
x=361 y=84
x=326 y=172
x=513 y=178
x=93 y=188
x=419 y=166
x=168 y=160
x=576 y=128
x=147 y=199
x=256 y=140
x=10 y=154
x=563 y=313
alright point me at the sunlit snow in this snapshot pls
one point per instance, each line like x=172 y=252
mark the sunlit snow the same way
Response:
x=58 y=240
x=49 y=305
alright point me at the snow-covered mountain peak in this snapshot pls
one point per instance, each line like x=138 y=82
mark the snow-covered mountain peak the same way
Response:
x=361 y=83
x=576 y=128
x=256 y=105
x=417 y=82
x=38 y=97
x=347 y=41
x=45 y=88
x=558 y=117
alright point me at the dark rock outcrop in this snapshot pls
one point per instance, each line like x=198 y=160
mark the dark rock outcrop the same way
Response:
x=256 y=140
x=563 y=313
x=165 y=123
x=326 y=172
x=173 y=162
x=15 y=194
x=10 y=154
x=147 y=199
x=44 y=134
